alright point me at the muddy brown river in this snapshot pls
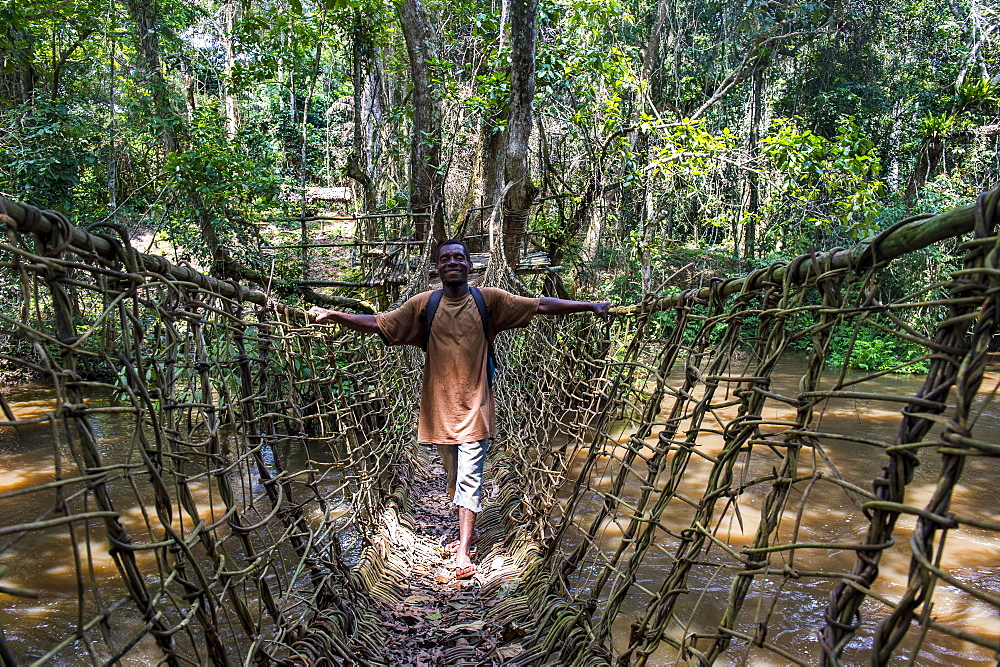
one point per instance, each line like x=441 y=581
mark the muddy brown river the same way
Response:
x=45 y=561
x=795 y=608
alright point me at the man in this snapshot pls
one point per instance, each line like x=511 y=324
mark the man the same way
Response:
x=456 y=402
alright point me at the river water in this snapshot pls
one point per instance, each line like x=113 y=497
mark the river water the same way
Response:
x=794 y=608
x=44 y=561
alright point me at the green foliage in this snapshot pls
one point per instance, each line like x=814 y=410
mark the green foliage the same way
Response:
x=688 y=148
x=16 y=49
x=841 y=76
x=489 y=96
x=832 y=180
x=47 y=154
x=979 y=93
x=948 y=190
x=218 y=169
x=215 y=179
x=866 y=90
x=578 y=60
x=938 y=125
x=873 y=350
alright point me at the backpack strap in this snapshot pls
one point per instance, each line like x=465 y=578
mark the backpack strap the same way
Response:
x=484 y=314
x=432 y=306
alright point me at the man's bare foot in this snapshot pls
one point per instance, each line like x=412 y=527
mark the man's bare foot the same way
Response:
x=465 y=571
x=463 y=554
x=463 y=563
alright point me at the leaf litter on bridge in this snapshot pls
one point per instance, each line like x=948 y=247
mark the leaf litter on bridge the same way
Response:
x=444 y=621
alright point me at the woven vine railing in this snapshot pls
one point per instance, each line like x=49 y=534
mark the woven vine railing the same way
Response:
x=678 y=484
x=734 y=485
x=220 y=551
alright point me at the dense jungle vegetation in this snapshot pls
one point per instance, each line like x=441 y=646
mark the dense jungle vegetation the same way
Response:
x=637 y=142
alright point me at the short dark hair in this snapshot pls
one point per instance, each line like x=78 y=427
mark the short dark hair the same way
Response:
x=465 y=249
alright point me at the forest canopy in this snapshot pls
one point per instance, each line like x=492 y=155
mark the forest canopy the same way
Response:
x=625 y=139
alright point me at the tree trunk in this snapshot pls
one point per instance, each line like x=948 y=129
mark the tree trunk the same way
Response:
x=112 y=134
x=149 y=47
x=927 y=161
x=426 y=173
x=970 y=24
x=368 y=114
x=646 y=243
x=229 y=10
x=592 y=239
x=188 y=79
x=519 y=123
x=652 y=64
x=491 y=162
x=504 y=20
x=57 y=65
x=895 y=141
x=553 y=284
x=491 y=140
x=27 y=78
x=751 y=184
x=149 y=50
x=633 y=200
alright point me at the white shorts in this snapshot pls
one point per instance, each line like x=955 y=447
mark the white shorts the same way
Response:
x=464 y=466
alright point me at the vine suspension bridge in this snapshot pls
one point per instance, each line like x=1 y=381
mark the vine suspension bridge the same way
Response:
x=693 y=481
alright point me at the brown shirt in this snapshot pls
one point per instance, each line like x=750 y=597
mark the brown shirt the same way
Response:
x=456 y=404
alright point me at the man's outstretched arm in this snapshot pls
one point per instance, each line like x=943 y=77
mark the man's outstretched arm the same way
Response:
x=362 y=323
x=551 y=306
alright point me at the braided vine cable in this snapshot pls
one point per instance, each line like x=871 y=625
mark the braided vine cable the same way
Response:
x=691 y=481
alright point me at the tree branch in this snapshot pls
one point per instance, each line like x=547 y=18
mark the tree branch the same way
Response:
x=47 y=12
x=318 y=299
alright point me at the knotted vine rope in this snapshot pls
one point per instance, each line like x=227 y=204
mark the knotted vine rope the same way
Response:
x=671 y=485
x=221 y=552
x=683 y=516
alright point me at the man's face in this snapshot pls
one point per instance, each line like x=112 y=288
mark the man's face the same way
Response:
x=452 y=265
